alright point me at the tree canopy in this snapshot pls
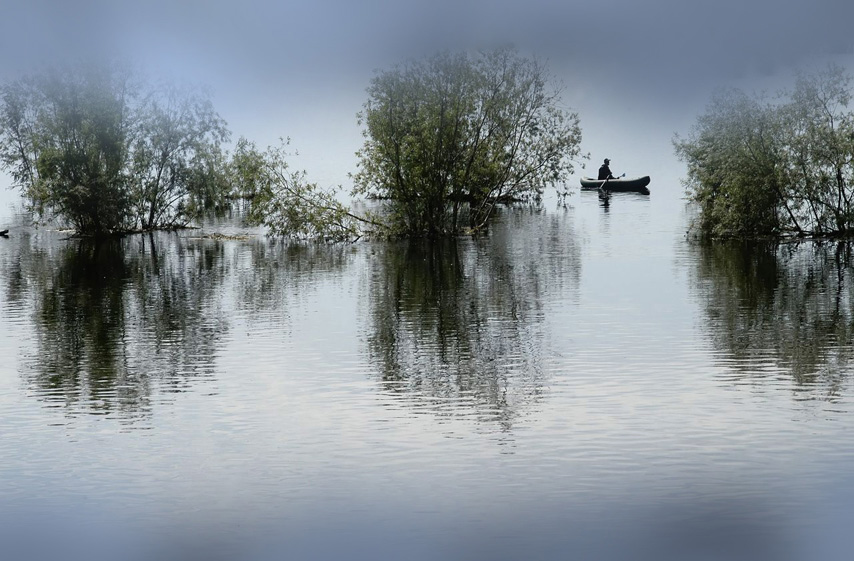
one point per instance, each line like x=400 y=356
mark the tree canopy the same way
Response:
x=284 y=200
x=99 y=150
x=446 y=138
x=759 y=167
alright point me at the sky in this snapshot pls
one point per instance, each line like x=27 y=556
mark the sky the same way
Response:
x=636 y=72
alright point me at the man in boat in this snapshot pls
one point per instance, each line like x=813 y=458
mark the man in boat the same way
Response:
x=605 y=170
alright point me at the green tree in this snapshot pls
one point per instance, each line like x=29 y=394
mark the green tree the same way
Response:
x=820 y=150
x=174 y=156
x=64 y=138
x=98 y=149
x=448 y=137
x=18 y=122
x=760 y=168
x=285 y=201
x=733 y=162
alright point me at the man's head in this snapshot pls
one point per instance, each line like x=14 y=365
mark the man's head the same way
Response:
x=607 y=161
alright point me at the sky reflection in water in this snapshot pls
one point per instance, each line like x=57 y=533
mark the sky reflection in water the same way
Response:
x=578 y=382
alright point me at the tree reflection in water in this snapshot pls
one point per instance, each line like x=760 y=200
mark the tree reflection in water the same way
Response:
x=788 y=307
x=459 y=326
x=114 y=316
x=270 y=276
x=455 y=327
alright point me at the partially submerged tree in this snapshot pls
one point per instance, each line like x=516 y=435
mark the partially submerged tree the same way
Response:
x=733 y=160
x=285 y=201
x=175 y=155
x=65 y=139
x=104 y=154
x=449 y=137
x=761 y=168
x=820 y=150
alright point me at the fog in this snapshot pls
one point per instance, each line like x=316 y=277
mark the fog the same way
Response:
x=635 y=72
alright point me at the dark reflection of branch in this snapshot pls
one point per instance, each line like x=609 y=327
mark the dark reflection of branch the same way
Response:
x=458 y=326
x=781 y=307
x=271 y=275
x=112 y=318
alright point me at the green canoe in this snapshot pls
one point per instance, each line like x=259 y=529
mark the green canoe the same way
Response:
x=619 y=185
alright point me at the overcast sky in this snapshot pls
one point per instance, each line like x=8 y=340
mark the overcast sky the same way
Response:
x=300 y=69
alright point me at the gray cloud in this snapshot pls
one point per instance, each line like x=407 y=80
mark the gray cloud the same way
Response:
x=667 y=37
x=297 y=68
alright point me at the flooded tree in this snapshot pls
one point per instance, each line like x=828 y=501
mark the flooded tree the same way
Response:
x=733 y=166
x=176 y=161
x=65 y=138
x=102 y=152
x=285 y=201
x=448 y=137
x=757 y=167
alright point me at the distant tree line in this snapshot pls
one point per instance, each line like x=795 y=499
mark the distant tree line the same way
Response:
x=446 y=139
x=782 y=167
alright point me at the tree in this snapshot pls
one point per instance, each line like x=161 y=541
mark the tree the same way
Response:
x=175 y=153
x=285 y=201
x=760 y=168
x=820 y=155
x=448 y=137
x=64 y=138
x=96 y=148
x=733 y=158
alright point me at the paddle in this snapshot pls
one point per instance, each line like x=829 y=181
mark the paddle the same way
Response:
x=602 y=187
x=604 y=195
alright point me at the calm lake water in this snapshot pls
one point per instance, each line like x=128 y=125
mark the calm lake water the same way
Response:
x=581 y=383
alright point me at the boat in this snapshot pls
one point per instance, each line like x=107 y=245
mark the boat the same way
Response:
x=619 y=185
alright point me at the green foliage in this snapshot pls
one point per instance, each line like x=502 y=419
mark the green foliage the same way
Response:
x=732 y=161
x=93 y=148
x=174 y=156
x=820 y=155
x=284 y=201
x=760 y=168
x=449 y=137
x=64 y=138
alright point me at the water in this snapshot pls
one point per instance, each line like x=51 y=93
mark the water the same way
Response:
x=582 y=383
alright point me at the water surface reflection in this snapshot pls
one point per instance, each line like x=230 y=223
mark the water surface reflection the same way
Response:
x=271 y=277
x=525 y=394
x=112 y=319
x=460 y=325
x=777 y=309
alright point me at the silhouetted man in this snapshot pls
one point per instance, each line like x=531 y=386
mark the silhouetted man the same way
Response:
x=605 y=170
